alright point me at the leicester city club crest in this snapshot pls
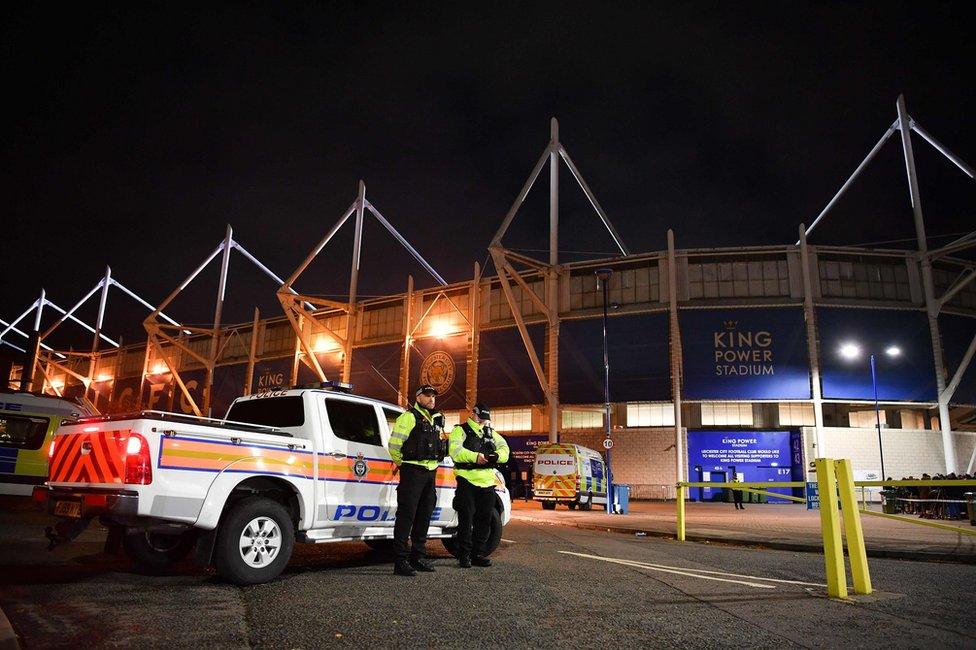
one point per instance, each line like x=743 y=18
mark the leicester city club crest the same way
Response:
x=359 y=466
x=438 y=371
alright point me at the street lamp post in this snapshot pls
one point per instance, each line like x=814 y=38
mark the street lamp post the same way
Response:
x=852 y=351
x=877 y=414
x=603 y=276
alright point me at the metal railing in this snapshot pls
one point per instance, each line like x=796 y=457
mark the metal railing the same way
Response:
x=834 y=477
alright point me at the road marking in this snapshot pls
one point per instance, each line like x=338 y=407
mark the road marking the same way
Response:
x=510 y=541
x=652 y=567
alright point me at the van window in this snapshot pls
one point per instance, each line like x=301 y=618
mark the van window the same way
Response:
x=286 y=411
x=22 y=431
x=354 y=421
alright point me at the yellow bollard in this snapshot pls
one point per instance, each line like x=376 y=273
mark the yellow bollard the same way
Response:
x=852 y=527
x=830 y=528
x=681 y=512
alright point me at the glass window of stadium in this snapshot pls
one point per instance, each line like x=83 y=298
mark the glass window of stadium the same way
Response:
x=647 y=414
x=582 y=418
x=796 y=414
x=726 y=413
x=512 y=419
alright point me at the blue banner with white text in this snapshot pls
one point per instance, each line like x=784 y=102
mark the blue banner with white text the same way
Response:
x=744 y=354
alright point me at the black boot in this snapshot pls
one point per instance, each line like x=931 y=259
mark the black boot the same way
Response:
x=403 y=568
x=480 y=561
x=422 y=565
x=464 y=562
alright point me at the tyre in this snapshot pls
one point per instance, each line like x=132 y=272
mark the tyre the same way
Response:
x=589 y=503
x=572 y=505
x=494 y=536
x=255 y=541
x=548 y=505
x=381 y=546
x=156 y=552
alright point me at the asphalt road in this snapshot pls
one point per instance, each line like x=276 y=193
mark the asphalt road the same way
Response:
x=537 y=594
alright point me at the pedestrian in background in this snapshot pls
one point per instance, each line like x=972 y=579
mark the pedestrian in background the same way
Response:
x=737 y=496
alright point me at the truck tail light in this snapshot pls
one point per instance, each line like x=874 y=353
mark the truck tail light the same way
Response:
x=138 y=461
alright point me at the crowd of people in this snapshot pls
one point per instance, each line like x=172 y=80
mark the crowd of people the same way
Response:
x=931 y=502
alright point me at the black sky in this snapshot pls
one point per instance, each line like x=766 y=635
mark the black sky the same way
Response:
x=133 y=135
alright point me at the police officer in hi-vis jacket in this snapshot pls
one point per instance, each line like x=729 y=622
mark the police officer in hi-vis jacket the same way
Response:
x=417 y=446
x=476 y=450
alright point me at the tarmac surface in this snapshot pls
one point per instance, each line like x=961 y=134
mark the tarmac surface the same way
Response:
x=549 y=585
x=780 y=526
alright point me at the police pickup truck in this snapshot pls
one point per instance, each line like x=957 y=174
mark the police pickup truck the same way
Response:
x=306 y=464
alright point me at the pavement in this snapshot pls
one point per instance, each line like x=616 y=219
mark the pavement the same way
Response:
x=777 y=526
x=549 y=585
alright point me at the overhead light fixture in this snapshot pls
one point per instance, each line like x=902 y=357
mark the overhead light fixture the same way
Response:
x=850 y=351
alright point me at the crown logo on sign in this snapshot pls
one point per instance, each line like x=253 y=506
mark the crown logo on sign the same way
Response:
x=730 y=324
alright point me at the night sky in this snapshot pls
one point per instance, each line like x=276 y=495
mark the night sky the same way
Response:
x=132 y=136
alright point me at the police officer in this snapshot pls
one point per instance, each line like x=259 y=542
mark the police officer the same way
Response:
x=417 y=446
x=476 y=450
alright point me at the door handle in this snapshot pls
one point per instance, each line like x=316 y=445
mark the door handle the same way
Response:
x=338 y=455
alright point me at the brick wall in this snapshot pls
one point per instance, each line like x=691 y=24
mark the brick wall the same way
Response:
x=906 y=452
x=641 y=458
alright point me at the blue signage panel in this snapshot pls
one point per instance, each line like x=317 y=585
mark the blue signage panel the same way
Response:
x=638 y=352
x=745 y=354
x=957 y=332
x=376 y=371
x=505 y=374
x=752 y=455
x=228 y=385
x=909 y=376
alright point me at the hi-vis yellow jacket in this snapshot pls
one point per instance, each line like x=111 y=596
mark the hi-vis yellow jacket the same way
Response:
x=484 y=477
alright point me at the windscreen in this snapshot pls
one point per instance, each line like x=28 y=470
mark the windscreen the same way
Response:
x=286 y=411
x=558 y=464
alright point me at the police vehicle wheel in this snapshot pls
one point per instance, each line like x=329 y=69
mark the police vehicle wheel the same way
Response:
x=255 y=542
x=383 y=546
x=155 y=552
x=588 y=505
x=572 y=505
x=548 y=505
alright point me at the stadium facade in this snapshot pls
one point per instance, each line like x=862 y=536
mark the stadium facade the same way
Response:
x=738 y=349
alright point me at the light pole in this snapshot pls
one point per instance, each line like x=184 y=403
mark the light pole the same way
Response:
x=852 y=351
x=603 y=278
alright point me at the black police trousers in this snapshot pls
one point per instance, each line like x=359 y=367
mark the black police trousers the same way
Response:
x=474 y=505
x=416 y=499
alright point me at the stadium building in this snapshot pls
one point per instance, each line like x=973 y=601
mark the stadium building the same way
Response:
x=760 y=357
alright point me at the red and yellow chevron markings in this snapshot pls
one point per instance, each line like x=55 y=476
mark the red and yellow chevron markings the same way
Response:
x=91 y=457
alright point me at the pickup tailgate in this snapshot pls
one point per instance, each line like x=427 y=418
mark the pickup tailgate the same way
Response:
x=100 y=456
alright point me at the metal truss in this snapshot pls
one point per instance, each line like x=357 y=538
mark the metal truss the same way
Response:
x=905 y=124
x=505 y=260
x=174 y=334
x=302 y=308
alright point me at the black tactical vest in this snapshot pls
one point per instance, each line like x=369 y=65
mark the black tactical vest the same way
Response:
x=474 y=442
x=424 y=441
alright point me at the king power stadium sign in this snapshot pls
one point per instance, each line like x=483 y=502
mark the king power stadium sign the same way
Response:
x=745 y=354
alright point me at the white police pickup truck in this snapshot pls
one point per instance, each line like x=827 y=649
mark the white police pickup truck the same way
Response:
x=304 y=464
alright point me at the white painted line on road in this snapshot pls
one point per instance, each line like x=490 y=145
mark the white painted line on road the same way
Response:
x=651 y=567
x=510 y=541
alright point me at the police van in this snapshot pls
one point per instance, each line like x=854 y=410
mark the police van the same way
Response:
x=570 y=474
x=27 y=424
x=308 y=464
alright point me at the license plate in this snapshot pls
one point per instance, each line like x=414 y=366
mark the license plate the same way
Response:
x=68 y=509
